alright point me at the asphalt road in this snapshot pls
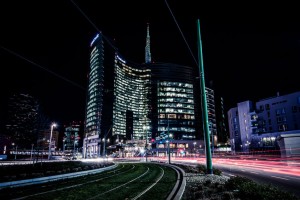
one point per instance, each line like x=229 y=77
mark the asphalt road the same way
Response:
x=285 y=182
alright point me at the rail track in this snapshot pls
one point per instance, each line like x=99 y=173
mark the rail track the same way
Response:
x=126 y=181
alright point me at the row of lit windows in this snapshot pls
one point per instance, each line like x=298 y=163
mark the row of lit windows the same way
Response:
x=91 y=114
x=94 y=72
x=137 y=104
x=130 y=69
x=188 y=136
x=172 y=145
x=94 y=51
x=173 y=129
x=94 y=109
x=131 y=83
x=172 y=110
x=172 y=94
x=179 y=100
x=179 y=122
x=185 y=85
x=94 y=60
x=171 y=89
x=176 y=116
x=127 y=72
x=93 y=81
x=91 y=103
x=136 y=109
x=94 y=94
x=130 y=105
x=94 y=85
x=132 y=93
x=126 y=79
x=90 y=122
x=176 y=105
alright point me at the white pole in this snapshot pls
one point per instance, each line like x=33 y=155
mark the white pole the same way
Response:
x=50 y=141
x=31 y=150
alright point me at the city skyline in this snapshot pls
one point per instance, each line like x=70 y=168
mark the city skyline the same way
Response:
x=45 y=47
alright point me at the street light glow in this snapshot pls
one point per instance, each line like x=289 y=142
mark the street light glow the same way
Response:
x=50 y=140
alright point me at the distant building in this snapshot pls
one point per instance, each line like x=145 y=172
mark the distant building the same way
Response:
x=210 y=96
x=22 y=119
x=72 y=139
x=43 y=141
x=222 y=123
x=258 y=127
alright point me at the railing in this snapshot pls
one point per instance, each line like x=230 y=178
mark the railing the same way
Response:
x=53 y=178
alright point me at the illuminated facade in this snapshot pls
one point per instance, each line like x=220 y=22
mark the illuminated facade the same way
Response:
x=210 y=98
x=131 y=94
x=173 y=102
x=139 y=102
x=101 y=61
x=117 y=99
x=258 y=126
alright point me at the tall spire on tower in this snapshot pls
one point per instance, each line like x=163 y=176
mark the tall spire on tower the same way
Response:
x=147 y=48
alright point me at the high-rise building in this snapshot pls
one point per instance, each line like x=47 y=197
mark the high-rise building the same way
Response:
x=130 y=101
x=21 y=126
x=98 y=118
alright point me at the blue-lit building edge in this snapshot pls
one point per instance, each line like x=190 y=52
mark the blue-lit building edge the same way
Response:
x=263 y=127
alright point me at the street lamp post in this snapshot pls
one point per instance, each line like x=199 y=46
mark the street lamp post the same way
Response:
x=64 y=145
x=16 y=152
x=50 y=140
x=13 y=144
x=194 y=149
x=74 y=154
x=204 y=103
x=146 y=144
x=169 y=154
x=86 y=146
x=31 y=151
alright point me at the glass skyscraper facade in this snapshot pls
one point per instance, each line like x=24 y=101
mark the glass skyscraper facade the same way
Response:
x=95 y=88
x=130 y=107
x=133 y=102
x=176 y=109
x=172 y=100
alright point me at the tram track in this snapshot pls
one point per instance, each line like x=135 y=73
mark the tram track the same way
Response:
x=130 y=180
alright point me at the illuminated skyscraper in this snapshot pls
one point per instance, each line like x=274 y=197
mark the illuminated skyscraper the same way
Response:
x=101 y=63
x=131 y=101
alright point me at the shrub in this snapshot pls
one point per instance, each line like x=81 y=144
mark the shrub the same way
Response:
x=203 y=169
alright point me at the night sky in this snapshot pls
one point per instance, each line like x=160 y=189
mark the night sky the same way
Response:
x=251 y=51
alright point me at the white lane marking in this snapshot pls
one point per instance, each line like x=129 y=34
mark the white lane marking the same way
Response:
x=280 y=178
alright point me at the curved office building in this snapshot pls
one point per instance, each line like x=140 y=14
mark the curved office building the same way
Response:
x=131 y=92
